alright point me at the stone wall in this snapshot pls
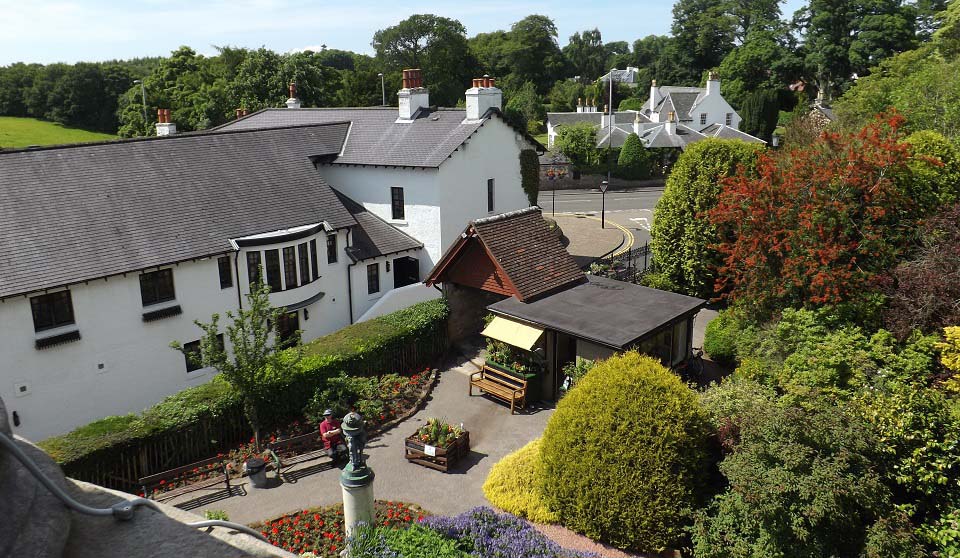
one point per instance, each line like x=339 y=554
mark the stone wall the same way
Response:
x=468 y=306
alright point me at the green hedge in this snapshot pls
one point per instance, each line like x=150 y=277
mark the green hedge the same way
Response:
x=404 y=340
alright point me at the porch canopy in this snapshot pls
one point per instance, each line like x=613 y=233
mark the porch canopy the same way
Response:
x=513 y=333
x=604 y=311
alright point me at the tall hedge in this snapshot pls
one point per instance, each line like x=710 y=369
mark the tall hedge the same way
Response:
x=409 y=338
x=681 y=236
x=624 y=455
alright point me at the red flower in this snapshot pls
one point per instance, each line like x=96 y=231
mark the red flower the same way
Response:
x=163 y=482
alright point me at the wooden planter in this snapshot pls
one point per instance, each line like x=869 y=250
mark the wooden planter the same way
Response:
x=439 y=458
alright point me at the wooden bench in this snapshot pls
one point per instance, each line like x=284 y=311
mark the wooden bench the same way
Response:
x=298 y=449
x=500 y=385
x=218 y=474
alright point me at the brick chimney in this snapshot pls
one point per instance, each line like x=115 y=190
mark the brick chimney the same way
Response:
x=713 y=83
x=483 y=96
x=164 y=126
x=413 y=96
x=293 y=102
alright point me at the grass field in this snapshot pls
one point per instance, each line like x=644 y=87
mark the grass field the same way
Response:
x=21 y=132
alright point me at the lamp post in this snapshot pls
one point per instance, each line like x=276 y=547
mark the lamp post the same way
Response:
x=606 y=183
x=143 y=94
x=603 y=202
x=383 y=91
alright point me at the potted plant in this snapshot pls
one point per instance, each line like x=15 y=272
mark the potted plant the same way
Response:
x=437 y=444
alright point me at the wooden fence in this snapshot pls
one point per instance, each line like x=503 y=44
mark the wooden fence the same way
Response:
x=120 y=466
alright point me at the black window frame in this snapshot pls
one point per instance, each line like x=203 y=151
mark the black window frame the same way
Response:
x=290 y=267
x=189 y=348
x=332 y=248
x=272 y=270
x=314 y=267
x=226 y=273
x=303 y=258
x=157 y=287
x=703 y=119
x=373 y=279
x=254 y=262
x=396 y=203
x=52 y=310
x=729 y=119
x=491 y=185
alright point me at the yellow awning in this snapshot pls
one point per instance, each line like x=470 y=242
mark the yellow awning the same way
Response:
x=513 y=333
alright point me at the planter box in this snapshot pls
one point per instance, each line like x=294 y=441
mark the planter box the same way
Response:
x=434 y=457
x=534 y=381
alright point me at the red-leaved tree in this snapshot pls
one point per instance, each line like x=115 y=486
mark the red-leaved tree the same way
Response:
x=818 y=225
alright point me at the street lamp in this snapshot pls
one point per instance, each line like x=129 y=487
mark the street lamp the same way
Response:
x=603 y=202
x=606 y=183
x=143 y=94
x=383 y=91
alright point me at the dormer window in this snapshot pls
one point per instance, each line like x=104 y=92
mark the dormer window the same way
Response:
x=157 y=287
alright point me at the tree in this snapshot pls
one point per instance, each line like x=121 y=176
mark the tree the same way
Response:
x=435 y=44
x=765 y=61
x=489 y=50
x=565 y=94
x=256 y=350
x=532 y=53
x=524 y=109
x=361 y=87
x=705 y=31
x=586 y=55
x=818 y=225
x=760 y=111
x=681 y=239
x=634 y=161
x=578 y=143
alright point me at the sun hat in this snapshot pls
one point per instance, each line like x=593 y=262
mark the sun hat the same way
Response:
x=328 y=412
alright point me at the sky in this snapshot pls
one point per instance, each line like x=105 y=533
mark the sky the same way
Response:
x=46 y=31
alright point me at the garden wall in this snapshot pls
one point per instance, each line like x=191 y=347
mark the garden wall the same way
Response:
x=203 y=421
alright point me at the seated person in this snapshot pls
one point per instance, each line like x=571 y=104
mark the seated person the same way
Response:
x=332 y=435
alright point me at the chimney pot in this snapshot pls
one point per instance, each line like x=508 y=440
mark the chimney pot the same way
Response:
x=164 y=126
x=493 y=82
x=239 y=113
x=293 y=90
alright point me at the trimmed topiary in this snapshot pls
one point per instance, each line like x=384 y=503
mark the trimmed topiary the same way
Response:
x=634 y=162
x=509 y=486
x=625 y=455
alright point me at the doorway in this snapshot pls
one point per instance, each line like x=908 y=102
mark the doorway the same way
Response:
x=406 y=271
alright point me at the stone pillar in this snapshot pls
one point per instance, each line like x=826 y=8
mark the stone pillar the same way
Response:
x=356 y=479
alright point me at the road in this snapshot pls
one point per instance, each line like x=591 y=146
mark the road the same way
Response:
x=631 y=209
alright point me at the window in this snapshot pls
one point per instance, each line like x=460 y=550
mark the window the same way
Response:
x=288 y=329
x=396 y=202
x=51 y=310
x=226 y=276
x=272 y=269
x=489 y=194
x=373 y=278
x=729 y=120
x=313 y=260
x=156 y=287
x=253 y=267
x=290 y=267
x=332 y=248
x=304 y=263
x=703 y=118
x=192 y=355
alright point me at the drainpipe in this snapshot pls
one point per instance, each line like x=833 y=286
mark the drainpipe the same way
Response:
x=236 y=273
x=349 y=283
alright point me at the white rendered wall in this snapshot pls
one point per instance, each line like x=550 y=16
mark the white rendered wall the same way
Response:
x=370 y=187
x=716 y=108
x=398 y=299
x=493 y=152
x=363 y=300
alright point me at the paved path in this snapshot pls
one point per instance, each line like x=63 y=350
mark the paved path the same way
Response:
x=493 y=434
x=587 y=240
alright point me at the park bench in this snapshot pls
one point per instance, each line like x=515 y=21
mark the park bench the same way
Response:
x=218 y=474
x=293 y=451
x=501 y=385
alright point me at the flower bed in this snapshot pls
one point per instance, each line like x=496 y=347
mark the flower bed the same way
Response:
x=321 y=530
x=385 y=399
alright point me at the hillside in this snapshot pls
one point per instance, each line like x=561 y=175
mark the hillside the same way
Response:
x=21 y=132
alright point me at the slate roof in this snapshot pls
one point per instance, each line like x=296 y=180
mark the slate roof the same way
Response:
x=528 y=251
x=723 y=131
x=657 y=136
x=612 y=313
x=74 y=213
x=374 y=237
x=595 y=118
x=376 y=138
x=682 y=102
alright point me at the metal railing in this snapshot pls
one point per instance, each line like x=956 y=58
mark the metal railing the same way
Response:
x=629 y=266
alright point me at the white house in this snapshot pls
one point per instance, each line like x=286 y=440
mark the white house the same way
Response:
x=672 y=117
x=427 y=171
x=112 y=250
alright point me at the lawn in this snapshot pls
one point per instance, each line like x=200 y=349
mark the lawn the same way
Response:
x=22 y=132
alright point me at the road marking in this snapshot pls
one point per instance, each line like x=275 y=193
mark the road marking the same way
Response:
x=628 y=235
x=642 y=223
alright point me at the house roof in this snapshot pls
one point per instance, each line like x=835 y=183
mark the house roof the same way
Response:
x=374 y=237
x=523 y=247
x=657 y=136
x=376 y=138
x=595 y=118
x=682 y=102
x=75 y=213
x=723 y=131
x=612 y=313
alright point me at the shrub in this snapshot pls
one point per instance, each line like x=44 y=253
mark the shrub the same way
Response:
x=511 y=485
x=418 y=541
x=632 y=103
x=530 y=175
x=682 y=238
x=720 y=338
x=496 y=535
x=634 y=162
x=578 y=142
x=624 y=454
x=934 y=169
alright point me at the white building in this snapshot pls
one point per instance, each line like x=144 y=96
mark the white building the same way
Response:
x=112 y=250
x=672 y=117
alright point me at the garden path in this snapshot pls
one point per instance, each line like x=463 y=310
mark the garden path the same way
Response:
x=493 y=434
